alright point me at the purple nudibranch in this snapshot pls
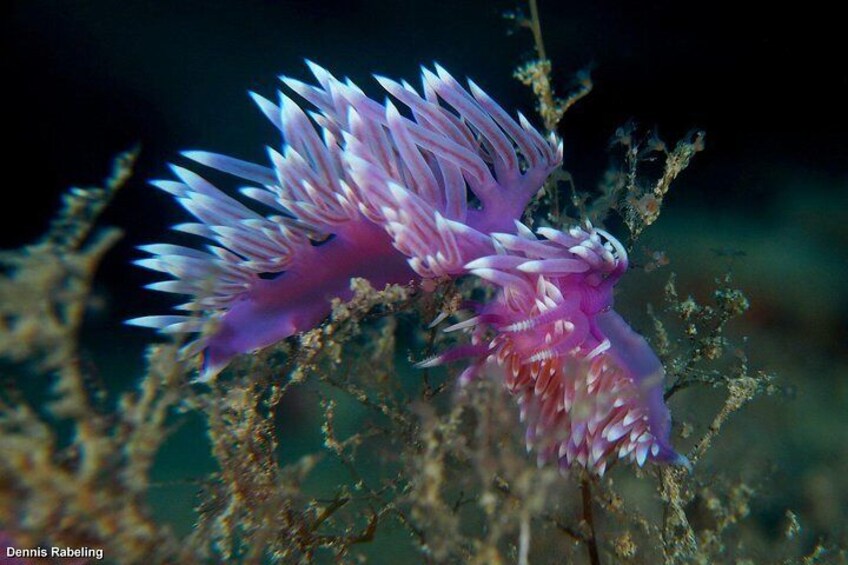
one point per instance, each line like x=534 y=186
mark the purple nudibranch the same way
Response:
x=359 y=189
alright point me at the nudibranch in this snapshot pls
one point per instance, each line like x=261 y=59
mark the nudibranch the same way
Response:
x=363 y=189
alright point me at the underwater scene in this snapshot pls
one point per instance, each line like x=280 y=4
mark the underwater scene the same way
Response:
x=423 y=282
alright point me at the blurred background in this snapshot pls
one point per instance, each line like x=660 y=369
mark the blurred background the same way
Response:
x=767 y=199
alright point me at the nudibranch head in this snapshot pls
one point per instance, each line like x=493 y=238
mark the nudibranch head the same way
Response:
x=589 y=387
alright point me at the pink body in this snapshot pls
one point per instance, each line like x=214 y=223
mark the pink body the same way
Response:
x=361 y=190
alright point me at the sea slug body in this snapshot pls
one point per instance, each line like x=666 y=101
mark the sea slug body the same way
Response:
x=361 y=189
